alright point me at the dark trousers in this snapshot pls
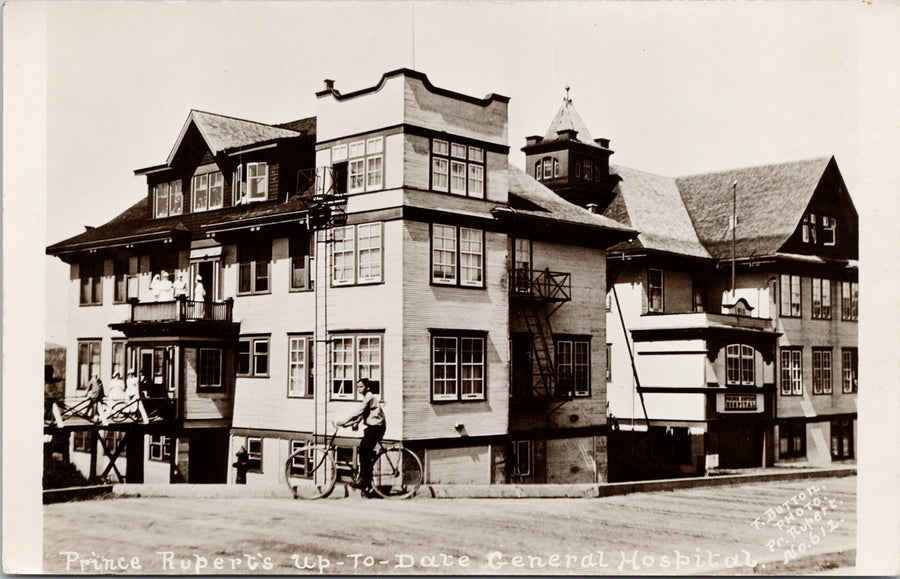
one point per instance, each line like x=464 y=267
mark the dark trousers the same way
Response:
x=370 y=438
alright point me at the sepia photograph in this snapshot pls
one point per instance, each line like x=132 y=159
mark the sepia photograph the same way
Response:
x=450 y=288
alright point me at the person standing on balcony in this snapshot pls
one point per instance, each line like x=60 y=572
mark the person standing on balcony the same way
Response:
x=165 y=288
x=180 y=286
x=154 y=287
x=200 y=297
x=370 y=414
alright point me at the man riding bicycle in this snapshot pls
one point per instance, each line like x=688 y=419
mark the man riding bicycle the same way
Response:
x=370 y=414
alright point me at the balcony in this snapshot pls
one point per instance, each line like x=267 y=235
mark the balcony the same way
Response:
x=540 y=285
x=181 y=310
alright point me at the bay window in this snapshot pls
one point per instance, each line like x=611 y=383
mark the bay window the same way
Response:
x=739 y=365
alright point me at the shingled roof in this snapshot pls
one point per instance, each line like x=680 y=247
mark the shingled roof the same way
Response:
x=528 y=196
x=771 y=200
x=652 y=205
x=568 y=119
x=222 y=133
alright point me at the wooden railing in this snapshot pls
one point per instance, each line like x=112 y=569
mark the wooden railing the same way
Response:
x=544 y=284
x=180 y=310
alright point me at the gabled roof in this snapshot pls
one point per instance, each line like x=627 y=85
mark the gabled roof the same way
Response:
x=527 y=196
x=222 y=133
x=652 y=205
x=566 y=119
x=771 y=200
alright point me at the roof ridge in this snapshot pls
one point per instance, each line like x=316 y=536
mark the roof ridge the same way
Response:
x=248 y=120
x=641 y=171
x=824 y=159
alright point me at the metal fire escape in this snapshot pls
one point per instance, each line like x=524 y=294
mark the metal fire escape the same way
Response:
x=539 y=293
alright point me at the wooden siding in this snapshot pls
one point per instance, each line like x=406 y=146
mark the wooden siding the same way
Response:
x=437 y=112
x=572 y=460
x=368 y=112
x=469 y=465
x=394 y=162
x=433 y=307
x=416 y=161
x=206 y=405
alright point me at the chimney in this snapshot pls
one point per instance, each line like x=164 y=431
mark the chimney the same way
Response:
x=602 y=142
x=329 y=84
x=592 y=207
x=532 y=140
x=568 y=134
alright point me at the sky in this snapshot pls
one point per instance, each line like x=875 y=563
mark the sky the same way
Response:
x=679 y=89
x=94 y=90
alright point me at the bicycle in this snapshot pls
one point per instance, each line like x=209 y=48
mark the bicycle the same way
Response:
x=311 y=470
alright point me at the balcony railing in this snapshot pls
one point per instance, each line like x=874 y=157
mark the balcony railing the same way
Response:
x=552 y=286
x=182 y=310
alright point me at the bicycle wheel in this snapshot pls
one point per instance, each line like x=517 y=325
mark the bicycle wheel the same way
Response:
x=397 y=473
x=310 y=472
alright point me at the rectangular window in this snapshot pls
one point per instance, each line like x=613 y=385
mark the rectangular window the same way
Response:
x=254 y=263
x=210 y=371
x=252 y=358
x=301 y=464
x=829 y=230
x=849 y=365
x=521 y=458
x=91 y=274
x=849 y=300
x=739 y=365
x=88 y=362
x=354 y=357
x=257 y=181
x=302 y=248
x=115 y=439
x=254 y=446
x=821 y=299
x=300 y=371
x=548 y=167
x=588 y=169
x=458 y=364
x=161 y=447
x=216 y=190
x=357 y=175
x=446 y=252
x=201 y=192
x=365 y=169
x=573 y=367
x=791 y=372
x=118 y=358
x=357 y=254
x=609 y=362
x=176 y=197
x=120 y=280
x=792 y=440
x=790 y=296
x=841 y=439
x=655 y=290
x=339 y=153
x=161 y=197
x=457 y=168
x=81 y=440
x=821 y=371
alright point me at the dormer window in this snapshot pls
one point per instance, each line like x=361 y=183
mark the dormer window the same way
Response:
x=208 y=191
x=829 y=230
x=251 y=183
x=809 y=228
x=167 y=199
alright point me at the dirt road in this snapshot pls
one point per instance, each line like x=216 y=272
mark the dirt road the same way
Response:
x=698 y=531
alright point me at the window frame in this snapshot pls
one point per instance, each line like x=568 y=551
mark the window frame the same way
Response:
x=202 y=369
x=849 y=371
x=660 y=289
x=296 y=248
x=307 y=364
x=572 y=362
x=518 y=450
x=161 y=448
x=254 y=457
x=355 y=253
x=788 y=291
x=740 y=355
x=829 y=231
x=609 y=362
x=251 y=256
x=161 y=195
x=821 y=293
x=260 y=180
x=81 y=440
x=457 y=254
x=451 y=159
x=849 y=300
x=118 y=344
x=793 y=371
x=822 y=372
x=90 y=275
x=353 y=364
x=792 y=431
x=83 y=378
x=252 y=355
x=457 y=337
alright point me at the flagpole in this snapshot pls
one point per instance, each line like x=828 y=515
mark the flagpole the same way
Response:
x=733 y=234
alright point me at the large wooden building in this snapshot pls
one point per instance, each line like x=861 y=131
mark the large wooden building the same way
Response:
x=388 y=238
x=729 y=345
